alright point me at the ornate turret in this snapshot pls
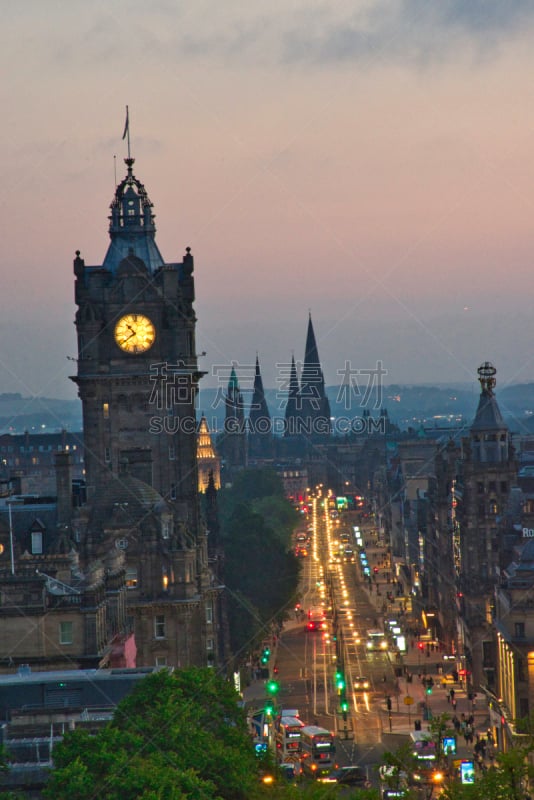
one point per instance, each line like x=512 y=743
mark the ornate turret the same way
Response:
x=131 y=225
x=208 y=462
x=490 y=437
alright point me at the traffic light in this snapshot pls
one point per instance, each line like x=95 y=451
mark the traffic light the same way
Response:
x=265 y=656
x=420 y=645
x=272 y=687
x=344 y=705
x=269 y=708
x=428 y=689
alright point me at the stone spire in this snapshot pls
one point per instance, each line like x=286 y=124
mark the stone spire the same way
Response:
x=315 y=411
x=259 y=420
x=293 y=402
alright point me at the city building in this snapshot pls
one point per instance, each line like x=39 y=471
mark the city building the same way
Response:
x=115 y=572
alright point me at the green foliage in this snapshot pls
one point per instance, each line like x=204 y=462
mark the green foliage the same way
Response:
x=506 y=781
x=261 y=570
x=179 y=735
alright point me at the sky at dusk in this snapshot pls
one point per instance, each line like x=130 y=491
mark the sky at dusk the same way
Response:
x=372 y=161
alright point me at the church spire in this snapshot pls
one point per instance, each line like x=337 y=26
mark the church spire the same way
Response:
x=259 y=420
x=315 y=405
x=293 y=401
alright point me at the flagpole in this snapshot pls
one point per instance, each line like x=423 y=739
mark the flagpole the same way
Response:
x=127 y=131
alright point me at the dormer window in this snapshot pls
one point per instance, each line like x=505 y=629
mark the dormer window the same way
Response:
x=37 y=543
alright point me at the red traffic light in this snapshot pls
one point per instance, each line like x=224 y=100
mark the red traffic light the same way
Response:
x=420 y=645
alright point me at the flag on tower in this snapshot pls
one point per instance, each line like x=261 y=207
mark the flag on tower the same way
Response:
x=126 y=124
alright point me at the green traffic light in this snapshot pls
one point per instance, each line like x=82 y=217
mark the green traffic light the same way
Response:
x=344 y=705
x=272 y=687
x=340 y=681
x=429 y=690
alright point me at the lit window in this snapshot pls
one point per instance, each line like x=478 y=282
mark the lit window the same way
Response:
x=159 y=626
x=65 y=632
x=131 y=577
x=105 y=410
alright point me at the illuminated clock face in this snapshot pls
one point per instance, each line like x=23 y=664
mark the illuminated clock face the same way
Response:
x=135 y=333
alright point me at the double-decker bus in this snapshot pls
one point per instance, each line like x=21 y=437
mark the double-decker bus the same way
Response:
x=287 y=738
x=318 y=750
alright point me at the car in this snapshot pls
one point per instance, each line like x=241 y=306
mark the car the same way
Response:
x=347 y=776
x=361 y=684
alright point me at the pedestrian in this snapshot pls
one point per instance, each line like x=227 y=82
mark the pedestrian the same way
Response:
x=454 y=703
x=451 y=694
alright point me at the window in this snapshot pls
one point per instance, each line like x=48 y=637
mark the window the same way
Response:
x=65 y=632
x=209 y=614
x=131 y=577
x=161 y=661
x=504 y=487
x=173 y=491
x=480 y=487
x=209 y=644
x=492 y=486
x=165 y=529
x=37 y=543
x=519 y=630
x=105 y=410
x=107 y=455
x=159 y=626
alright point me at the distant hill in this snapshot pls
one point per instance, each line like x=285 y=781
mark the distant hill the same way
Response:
x=38 y=414
x=407 y=406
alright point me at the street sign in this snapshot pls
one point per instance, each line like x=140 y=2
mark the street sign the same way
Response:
x=408 y=701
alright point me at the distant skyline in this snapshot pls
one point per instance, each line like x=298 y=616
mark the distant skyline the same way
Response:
x=371 y=161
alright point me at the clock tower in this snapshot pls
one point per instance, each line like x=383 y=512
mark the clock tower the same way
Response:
x=137 y=379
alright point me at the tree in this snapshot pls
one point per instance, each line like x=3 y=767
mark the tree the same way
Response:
x=507 y=780
x=177 y=735
x=261 y=571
